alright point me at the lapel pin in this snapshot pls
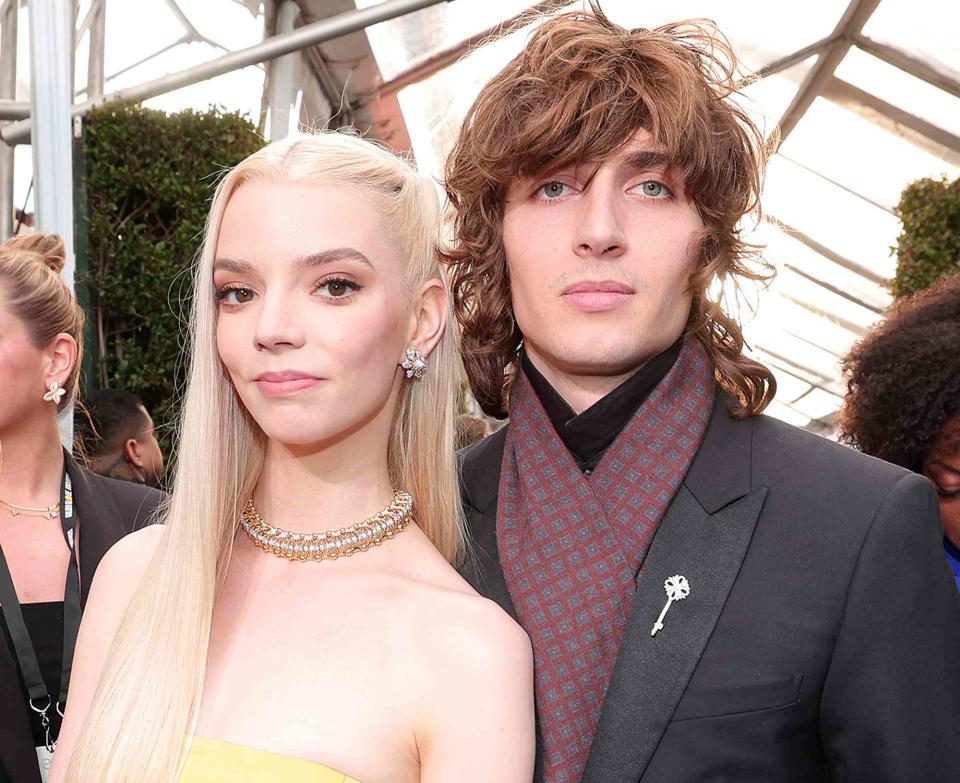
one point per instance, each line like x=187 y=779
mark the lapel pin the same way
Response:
x=677 y=588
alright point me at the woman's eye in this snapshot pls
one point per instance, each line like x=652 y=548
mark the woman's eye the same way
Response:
x=234 y=295
x=551 y=190
x=337 y=288
x=653 y=189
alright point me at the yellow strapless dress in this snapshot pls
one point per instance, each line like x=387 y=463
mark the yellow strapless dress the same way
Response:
x=215 y=761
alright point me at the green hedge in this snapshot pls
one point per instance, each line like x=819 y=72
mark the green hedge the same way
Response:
x=928 y=247
x=149 y=179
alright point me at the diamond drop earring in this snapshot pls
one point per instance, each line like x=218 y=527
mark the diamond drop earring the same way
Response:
x=415 y=364
x=54 y=392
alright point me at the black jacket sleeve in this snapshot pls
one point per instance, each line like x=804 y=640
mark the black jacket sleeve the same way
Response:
x=891 y=701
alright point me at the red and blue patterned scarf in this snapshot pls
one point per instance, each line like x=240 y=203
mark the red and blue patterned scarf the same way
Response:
x=571 y=545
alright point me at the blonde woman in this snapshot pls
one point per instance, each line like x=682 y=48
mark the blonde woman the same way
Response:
x=321 y=393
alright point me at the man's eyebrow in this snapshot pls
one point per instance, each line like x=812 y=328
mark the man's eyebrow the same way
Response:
x=300 y=263
x=646 y=159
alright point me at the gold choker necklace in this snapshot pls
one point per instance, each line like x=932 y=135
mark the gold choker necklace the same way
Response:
x=332 y=543
x=47 y=512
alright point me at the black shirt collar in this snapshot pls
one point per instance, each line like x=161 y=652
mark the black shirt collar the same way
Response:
x=588 y=435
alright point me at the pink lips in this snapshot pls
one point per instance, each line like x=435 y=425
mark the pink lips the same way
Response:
x=282 y=384
x=595 y=296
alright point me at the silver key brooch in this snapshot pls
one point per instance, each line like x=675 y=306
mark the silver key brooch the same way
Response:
x=677 y=588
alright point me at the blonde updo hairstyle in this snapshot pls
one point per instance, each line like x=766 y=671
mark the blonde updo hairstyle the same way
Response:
x=31 y=286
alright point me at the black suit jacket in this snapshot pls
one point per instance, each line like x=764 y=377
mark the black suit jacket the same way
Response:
x=106 y=511
x=821 y=636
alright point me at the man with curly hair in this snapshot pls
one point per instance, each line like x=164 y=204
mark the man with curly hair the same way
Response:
x=903 y=401
x=710 y=593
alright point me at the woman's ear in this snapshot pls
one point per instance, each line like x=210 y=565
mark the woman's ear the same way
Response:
x=429 y=317
x=61 y=356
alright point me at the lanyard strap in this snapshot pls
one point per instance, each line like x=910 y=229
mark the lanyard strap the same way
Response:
x=23 y=646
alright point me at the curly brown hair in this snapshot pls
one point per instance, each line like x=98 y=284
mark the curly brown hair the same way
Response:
x=582 y=86
x=903 y=378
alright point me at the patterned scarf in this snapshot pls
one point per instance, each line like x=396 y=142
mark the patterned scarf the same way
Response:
x=572 y=546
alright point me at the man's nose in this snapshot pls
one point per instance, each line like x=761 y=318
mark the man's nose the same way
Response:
x=599 y=232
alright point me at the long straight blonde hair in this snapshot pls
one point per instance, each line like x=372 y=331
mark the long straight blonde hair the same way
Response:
x=147 y=701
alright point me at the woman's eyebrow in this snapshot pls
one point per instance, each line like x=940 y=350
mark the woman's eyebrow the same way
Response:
x=232 y=265
x=300 y=262
x=330 y=256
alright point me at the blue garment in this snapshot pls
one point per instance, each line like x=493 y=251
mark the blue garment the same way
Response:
x=953 y=558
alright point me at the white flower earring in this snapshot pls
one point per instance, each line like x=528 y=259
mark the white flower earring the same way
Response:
x=415 y=364
x=54 y=393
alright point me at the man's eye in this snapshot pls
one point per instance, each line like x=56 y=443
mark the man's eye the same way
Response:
x=653 y=189
x=552 y=190
x=234 y=295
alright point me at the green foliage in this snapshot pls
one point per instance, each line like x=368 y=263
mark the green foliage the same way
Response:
x=150 y=177
x=928 y=247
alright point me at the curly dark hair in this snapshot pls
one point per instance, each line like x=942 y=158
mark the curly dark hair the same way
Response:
x=903 y=378
x=579 y=89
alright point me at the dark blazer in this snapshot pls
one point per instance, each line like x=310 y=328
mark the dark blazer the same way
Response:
x=106 y=511
x=821 y=636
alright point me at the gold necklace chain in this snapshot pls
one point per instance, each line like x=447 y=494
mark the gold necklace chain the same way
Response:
x=330 y=544
x=47 y=512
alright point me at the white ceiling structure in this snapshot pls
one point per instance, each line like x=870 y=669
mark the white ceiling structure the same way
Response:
x=866 y=95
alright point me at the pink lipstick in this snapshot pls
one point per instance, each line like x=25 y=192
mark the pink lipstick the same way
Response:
x=283 y=384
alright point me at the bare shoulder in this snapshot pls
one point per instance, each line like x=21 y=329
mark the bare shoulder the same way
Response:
x=114 y=583
x=460 y=632
x=481 y=635
x=124 y=563
x=452 y=619
x=474 y=694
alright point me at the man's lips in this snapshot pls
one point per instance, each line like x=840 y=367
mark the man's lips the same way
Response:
x=281 y=384
x=597 y=295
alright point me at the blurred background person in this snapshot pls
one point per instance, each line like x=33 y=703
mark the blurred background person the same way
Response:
x=903 y=400
x=56 y=519
x=119 y=438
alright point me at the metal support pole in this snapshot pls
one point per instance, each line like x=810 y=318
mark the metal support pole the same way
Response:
x=282 y=75
x=95 y=55
x=51 y=50
x=276 y=46
x=8 y=91
x=13 y=110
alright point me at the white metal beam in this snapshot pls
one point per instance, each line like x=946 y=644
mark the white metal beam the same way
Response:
x=921 y=69
x=849 y=26
x=276 y=46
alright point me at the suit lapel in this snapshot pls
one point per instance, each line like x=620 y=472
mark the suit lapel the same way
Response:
x=652 y=672
x=704 y=537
